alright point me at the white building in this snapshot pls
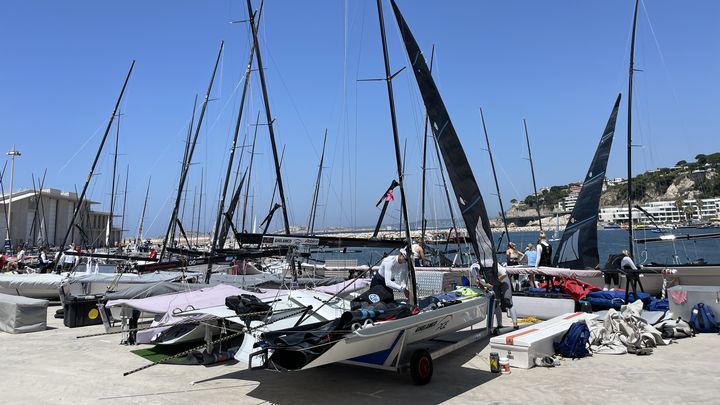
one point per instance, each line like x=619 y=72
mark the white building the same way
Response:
x=665 y=212
x=44 y=217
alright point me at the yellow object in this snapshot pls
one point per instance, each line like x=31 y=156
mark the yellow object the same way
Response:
x=529 y=319
x=93 y=313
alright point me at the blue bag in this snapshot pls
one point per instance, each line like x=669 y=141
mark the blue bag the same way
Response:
x=574 y=344
x=702 y=319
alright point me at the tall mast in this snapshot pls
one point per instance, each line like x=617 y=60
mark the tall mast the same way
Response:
x=108 y=239
x=423 y=226
x=173 y=217
x=142 y=216
x=532 y=171
x=398 y=161
x=250 y=167
x=192 y=218
x=313 y=207
x=269 y=118
x=97 y=157
x=122 y=221
x=441 y=168
x=200 y=199
x=184 y=162
x=221 y=207
x=631 y=71
x=492 y=164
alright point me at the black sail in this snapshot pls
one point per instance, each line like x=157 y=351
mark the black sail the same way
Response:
x=578 y=247
x=461 y=176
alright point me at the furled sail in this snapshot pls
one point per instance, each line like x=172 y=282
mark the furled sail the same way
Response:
x=578 y=247
x=459 y=171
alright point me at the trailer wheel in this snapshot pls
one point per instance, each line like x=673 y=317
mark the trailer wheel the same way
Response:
x=421 y=367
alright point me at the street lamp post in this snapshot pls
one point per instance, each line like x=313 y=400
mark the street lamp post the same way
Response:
x=12 y=153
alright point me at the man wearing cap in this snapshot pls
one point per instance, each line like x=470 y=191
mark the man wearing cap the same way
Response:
x=393 y=274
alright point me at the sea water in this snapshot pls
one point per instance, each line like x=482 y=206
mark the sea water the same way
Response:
x=610 y=241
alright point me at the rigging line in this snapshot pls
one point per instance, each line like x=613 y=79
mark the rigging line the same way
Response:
x=267 y=51
x=81 y=148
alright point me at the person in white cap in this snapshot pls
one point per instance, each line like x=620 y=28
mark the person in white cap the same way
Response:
x=393 y=274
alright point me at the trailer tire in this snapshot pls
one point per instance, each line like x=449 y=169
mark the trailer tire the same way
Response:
x=421 y=367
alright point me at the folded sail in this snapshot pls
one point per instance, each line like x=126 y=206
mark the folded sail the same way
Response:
x=578 y=247
x=459 y=171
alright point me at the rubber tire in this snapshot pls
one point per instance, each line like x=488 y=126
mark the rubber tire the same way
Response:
x=421 y=367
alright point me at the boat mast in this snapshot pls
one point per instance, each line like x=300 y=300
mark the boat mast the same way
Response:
x=313 y=207
x=108 y=237
x=142 y=216
x=492 y=164
x=221 y=207
x=447 y=197
x=173 y=217
x=631 y=71
x=122 y=221
x=250 y=167
x=423 y=226
x=398 y=161
x=97 y=157
x=200 y=200
x=532 y=171
x=269 y=118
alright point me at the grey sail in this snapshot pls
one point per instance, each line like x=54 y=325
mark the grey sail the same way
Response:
x=461 y=176
x=578 y=247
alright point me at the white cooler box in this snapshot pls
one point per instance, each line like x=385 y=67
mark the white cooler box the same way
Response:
x=708 y=295
x=542 y=307
x=522 y=346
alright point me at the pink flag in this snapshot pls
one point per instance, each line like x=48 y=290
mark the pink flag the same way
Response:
x=389 y=196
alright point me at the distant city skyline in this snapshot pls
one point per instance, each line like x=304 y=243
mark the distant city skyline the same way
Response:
x=559 y=65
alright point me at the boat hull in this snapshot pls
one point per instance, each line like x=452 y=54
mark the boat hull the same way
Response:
x=381 y=343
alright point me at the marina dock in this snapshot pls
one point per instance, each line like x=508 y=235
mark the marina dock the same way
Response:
x=53 y=367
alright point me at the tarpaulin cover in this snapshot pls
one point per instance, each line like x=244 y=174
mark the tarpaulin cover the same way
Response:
x=21 y=314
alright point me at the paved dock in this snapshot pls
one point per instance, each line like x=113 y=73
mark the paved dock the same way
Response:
x=54 y=367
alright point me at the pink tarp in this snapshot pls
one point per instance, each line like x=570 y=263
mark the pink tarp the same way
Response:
x=203 y=298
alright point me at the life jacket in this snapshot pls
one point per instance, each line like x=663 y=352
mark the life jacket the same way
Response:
x=545 y=254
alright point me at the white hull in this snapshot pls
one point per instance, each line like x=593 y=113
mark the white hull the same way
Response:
x=381 y=343
x=685 y=275
x=283 y=317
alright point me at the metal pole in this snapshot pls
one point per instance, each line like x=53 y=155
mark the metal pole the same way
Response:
x=492 y=164
x=398 y=161
x=97 y=156
x=12 y=153
x=631 y=70
x=268 y=115
x=532 y=172
x=423 y=226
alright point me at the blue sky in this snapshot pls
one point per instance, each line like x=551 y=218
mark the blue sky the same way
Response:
x=559 y=64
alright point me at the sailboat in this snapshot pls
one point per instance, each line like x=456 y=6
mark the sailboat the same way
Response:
x=578 y=246
x=358 y=340
x=556 y=233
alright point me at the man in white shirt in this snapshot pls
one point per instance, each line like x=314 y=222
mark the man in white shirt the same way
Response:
x=393 y=274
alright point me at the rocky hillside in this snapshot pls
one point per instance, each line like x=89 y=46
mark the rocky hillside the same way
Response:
x=698 y=179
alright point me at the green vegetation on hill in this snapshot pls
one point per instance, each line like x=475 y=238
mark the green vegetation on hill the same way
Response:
x=698 y=179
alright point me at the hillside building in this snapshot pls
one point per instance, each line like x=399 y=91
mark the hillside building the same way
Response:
x=666 y=212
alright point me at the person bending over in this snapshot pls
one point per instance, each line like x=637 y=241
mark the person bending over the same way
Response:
x=393 y=274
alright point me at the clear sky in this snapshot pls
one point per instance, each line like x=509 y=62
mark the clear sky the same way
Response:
x=559 y=64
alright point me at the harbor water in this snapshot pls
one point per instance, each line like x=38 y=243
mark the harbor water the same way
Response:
x=610 y=241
